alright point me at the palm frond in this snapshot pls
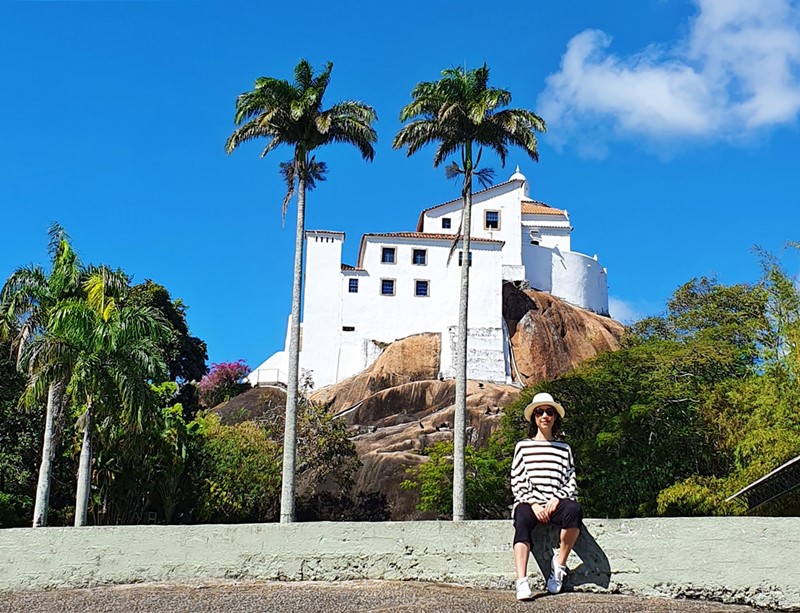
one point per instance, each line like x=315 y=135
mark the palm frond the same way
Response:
x=446 y=149
x=485 y=177
x=57 y=235
x=316 y=171
x=303 y=75
x=453 y=171
x=288 y=170
x=458 y=236
x=252 y=129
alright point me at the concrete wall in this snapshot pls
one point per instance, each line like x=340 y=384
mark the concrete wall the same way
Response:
x=736 y=560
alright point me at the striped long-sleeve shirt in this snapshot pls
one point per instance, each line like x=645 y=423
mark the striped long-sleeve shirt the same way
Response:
x=542 y=470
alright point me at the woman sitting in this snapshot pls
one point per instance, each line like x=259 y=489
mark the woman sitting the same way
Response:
x=545 y=491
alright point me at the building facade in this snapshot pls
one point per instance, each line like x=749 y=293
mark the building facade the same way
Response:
x=405 y=283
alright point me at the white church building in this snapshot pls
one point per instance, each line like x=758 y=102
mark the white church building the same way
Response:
x=402 y=284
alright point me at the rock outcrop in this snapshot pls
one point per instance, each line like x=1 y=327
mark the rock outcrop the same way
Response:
x=415 y=358
x=550 y=337
x=393 y=427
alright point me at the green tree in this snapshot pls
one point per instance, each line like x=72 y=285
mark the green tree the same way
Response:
x=783 y=291
x=236 y=472
x=105 y=354
x=462 y=113
x=141 y=469
x=185 y=355
x=27 y=300
x=292 y=114
x=487 y=488
x=755 y=420
x=18 y=445
x=326 y=455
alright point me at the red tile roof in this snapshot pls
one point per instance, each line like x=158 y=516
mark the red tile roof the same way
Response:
x=534 y=207
x=418 y=236
x=430 y=235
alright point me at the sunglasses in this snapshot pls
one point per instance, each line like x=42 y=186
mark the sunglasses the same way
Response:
x=549 y=412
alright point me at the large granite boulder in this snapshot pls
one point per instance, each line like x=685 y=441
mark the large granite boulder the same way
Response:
x=550 y=337
x=415 y=358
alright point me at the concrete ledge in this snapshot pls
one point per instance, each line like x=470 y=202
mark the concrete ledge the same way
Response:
x=748 y=560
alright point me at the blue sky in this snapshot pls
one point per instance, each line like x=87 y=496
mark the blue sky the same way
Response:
x=673 y=137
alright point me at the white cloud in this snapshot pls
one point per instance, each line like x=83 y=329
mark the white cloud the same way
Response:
x=736 y=72
x=622 y=311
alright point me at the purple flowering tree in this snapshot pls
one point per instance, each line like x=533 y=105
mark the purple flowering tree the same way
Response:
x=224 y=381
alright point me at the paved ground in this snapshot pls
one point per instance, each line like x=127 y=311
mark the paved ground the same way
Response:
x=340 y=597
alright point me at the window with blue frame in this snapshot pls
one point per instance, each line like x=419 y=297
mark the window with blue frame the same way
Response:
x=352 y=286
x=419 y=257
x=492 y=220
x=388 y=255
x=387 y=287
x=421 y=288
x=461 y=258
x=446 y=223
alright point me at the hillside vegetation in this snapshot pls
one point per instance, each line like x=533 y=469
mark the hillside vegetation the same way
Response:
x=697 y=403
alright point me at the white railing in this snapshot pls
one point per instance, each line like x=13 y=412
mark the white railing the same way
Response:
x=267 y=376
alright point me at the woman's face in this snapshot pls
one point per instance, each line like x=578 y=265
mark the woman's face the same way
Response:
x=545 y=417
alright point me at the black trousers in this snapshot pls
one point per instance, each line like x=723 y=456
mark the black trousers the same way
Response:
x=568 y=514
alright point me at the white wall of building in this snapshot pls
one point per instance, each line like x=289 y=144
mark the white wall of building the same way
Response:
x=383 y=319
x=573 y=277
x=538 y=263
x=322 y=306
x=549 y=230
x=504 y=198
x=273 y=370
x=580 y=280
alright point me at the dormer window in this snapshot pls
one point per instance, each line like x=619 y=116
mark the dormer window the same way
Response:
x=446 y=223
x=388 y=255
x=491 y=220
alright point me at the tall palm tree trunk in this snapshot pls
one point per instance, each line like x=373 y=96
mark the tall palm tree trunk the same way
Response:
x=84 y=470
x=48 y=453
x=460 y=417
x=290 y=422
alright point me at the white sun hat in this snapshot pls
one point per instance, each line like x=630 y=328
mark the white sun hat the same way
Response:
x=540 y=400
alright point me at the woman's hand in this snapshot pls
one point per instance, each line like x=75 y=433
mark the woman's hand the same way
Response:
x=551 y=507
x=541 y=514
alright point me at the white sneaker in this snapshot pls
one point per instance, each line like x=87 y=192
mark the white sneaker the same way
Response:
x=523 y=589
x=557 y=576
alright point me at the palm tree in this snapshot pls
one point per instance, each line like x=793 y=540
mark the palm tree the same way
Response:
x=105 y=354
x=27 y=299
x=461 y=112
x=291 y=114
